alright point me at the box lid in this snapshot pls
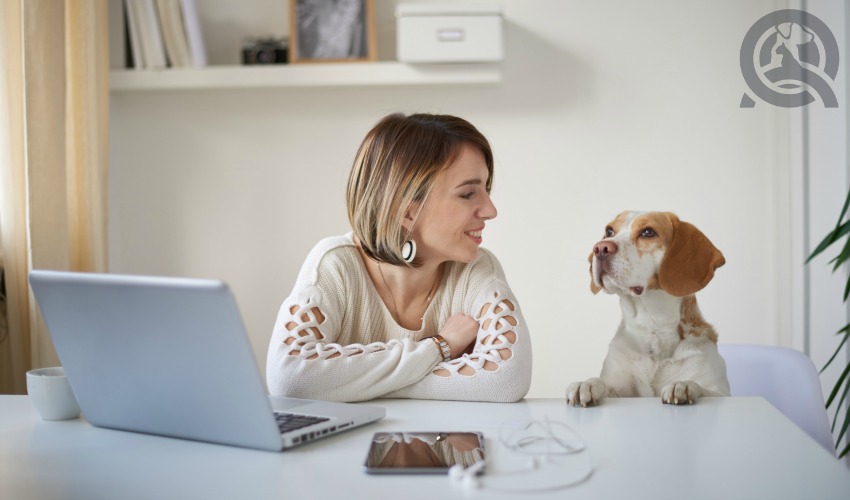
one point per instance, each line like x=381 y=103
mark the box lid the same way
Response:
x=447 y=9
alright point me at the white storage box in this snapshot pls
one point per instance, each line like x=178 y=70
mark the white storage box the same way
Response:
x=439 y=33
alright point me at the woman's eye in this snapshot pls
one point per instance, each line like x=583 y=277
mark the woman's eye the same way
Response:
x=468 y=196
x=648 y=233
x=609 y=232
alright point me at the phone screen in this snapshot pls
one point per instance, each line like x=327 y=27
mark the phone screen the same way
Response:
x=423 y=452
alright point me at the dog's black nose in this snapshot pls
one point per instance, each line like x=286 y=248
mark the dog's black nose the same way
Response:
x=604 y=248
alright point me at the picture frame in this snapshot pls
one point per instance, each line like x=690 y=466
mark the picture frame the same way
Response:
x=332 y=31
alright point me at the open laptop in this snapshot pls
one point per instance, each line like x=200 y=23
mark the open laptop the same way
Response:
x=170 y=356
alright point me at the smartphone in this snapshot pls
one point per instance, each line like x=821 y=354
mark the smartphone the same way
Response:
x=423 y=452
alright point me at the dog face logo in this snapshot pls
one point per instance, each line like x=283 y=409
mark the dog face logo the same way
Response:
x=789 y=58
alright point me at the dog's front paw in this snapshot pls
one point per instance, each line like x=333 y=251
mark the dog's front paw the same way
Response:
x=682 y=392
x=587 y=393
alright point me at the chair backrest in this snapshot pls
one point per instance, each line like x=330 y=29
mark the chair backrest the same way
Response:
x=784 y=377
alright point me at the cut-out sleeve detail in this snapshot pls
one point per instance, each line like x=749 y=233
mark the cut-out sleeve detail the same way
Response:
x=305 y=360
x=496 y=337
x=499 y=366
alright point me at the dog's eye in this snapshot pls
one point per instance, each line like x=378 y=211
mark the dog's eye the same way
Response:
x=648 y=233
x=609 y=232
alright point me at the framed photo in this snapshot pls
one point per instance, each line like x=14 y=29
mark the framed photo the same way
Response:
x=332 y=31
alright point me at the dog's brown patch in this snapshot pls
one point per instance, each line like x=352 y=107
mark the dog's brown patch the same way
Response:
x=689 y=261
x=691 y=321
x=619 y=222
x=661 y=223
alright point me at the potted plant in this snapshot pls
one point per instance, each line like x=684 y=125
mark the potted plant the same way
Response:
x=842 y=386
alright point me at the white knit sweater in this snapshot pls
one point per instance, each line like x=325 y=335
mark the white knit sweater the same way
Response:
x=358 y=352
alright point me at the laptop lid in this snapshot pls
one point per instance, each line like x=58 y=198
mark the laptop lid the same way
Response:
x=166 y=356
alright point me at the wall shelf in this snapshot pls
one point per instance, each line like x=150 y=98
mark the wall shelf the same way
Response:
x=305 y=75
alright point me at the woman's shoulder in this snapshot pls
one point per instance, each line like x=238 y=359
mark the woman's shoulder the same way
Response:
x=485 y=267
x=332 y=252
x=330 y=243
x=486 y=262
x=471 y=283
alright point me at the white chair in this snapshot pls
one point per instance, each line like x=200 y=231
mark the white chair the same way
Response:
x=784 y=377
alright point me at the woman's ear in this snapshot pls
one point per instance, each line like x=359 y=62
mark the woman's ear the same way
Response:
x=689 y=262
x=409 y=216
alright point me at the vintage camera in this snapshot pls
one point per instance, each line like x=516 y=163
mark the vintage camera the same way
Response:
x=265 y=51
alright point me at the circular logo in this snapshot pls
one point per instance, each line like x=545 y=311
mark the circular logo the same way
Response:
x=789 y=58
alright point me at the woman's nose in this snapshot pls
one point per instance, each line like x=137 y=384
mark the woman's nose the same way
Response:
x=488 y=211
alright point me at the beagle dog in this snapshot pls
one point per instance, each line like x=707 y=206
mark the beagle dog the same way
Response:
x=655 y=263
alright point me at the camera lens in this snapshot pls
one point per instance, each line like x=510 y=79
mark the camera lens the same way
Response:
x=265 y=56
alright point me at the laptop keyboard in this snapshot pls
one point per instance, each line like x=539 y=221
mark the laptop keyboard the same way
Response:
x=290 y=421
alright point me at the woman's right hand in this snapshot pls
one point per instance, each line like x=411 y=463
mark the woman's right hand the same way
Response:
x=459 y=331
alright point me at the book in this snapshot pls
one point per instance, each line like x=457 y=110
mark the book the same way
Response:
x=117 y=39
x=192 y=24
x=173 y=33
x=152 y=50
x=151 y=35
x=133 y=29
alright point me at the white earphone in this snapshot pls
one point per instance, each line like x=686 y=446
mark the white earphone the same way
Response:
x=540 y=440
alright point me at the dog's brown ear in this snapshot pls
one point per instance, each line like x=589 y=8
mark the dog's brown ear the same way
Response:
x=690 y=261
x=593 y=286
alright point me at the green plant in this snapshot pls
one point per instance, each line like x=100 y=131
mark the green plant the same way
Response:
x=842 y=228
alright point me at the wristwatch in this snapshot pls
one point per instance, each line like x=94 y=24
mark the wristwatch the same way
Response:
x=445 y=350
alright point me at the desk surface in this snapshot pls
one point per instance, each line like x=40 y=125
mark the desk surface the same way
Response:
x=720 y=448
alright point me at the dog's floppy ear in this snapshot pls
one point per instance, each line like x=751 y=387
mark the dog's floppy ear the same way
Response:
x=689 y=262
x=593 y=286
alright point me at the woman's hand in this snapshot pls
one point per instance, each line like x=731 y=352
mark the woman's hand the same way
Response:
x=459 y=331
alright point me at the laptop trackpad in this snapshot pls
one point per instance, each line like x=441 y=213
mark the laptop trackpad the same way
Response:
x=283 y=404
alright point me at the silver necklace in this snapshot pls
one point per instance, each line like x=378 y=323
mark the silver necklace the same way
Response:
x=392 y=297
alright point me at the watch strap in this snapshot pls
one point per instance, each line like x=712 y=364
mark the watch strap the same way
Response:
x=445 y=350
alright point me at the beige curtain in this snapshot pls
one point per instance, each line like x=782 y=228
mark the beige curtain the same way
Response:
x=54 y=102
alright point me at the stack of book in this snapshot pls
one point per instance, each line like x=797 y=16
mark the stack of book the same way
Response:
x=163 y=33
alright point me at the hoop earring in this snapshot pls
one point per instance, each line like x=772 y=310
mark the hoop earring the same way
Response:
x=408 y=251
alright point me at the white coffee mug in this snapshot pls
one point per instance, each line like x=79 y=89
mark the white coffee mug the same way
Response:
x=51 y=394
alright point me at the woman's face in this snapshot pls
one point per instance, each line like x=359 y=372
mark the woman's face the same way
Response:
x=450 y=224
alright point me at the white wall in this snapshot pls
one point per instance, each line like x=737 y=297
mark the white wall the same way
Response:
x=603 y=107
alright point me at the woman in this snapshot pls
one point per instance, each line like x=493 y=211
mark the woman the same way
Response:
x=407 y=305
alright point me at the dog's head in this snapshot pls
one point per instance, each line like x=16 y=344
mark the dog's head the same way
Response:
x=652 y=250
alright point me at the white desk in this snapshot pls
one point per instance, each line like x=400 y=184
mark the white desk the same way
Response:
x=721 y=448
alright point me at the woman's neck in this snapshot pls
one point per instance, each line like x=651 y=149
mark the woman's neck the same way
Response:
x=405 y=291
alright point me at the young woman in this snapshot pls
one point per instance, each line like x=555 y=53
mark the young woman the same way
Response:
x=407 y=305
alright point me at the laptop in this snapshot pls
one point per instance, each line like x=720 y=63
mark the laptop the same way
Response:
x=170 y=356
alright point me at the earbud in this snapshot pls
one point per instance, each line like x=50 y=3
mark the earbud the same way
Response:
x=467 y=477
x=470 y=482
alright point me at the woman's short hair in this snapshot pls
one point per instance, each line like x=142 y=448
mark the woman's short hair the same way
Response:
x=396 y=165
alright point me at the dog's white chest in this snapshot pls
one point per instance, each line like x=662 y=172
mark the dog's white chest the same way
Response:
x=659 y=347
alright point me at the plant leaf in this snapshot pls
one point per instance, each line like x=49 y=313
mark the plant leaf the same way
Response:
x=843 y=428
x=838 y=385
x=841 y=258
x=838 y=408
x=844 y=209
x=846 y=331
x=844 y=451
x=830 y=238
